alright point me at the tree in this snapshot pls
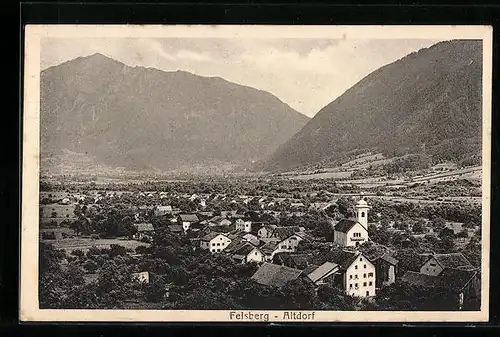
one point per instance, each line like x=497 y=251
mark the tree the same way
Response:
x=154 y=291
x=447 y=237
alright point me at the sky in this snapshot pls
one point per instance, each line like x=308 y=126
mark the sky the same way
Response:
x=307 y=74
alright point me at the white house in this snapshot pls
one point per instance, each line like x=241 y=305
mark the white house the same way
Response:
x=187 y=220
x=142 y=277
x=277 y=245
x=162 y=210
x=245 y=226
x=248 y=253
x=356 y=275
x=215 y=242
x=266 y=231
x=438 y=262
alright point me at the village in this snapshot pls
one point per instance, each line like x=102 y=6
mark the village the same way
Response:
x=354 y=248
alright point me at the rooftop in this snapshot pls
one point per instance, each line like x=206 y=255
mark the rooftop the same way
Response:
x=275 y=275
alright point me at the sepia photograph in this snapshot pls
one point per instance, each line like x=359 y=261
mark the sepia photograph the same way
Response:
x=256 y=173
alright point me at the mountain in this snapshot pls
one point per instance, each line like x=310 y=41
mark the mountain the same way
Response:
x=430 y=99
x=137 y=118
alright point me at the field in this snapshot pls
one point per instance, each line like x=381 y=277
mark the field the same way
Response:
x=85 y=243
x=62 y=213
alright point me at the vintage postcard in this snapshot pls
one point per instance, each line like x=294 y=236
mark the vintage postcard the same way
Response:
x=256 y=173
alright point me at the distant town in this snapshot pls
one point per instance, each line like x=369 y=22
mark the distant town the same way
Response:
x=270 y=242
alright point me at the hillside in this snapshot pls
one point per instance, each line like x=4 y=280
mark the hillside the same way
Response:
x=427 y=101
x=137 y=118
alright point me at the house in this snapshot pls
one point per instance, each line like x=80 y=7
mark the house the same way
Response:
x=142 y=277
x=269 y=248
x=248 y=253
x=450 y=271
x=320 y=206
x=386 y=269
x=294 y=260
x=186 y=220
x=266 y=231
x=464 y=284
x=438 y=262
x=252 y=239
x=214 y=242
x=245 y=226
x=274 y=245
x=175 y=228
x=356 y=275
x=297 y=205
x=219 y=221
x=145 y=231
x=324 y=274
x=274 y=275
x=163 y=210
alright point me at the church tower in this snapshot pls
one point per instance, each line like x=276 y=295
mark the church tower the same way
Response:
x=362 y=213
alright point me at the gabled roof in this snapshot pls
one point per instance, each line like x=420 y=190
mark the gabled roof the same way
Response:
x=452 y=260
x=345 y=225
x=245 y=249
x=344 y=258
x=269 y=246
x=275 y=275
x=456 y=279
x=322 y=270
x=309 y=269
x=175 y=228
x=144 y=227
x=189 y=217
x=418 y=279
x=284 y=232
x=234 y=246
x=301 y=260
x=452 y=279
x=210 y=236
x=388 y=258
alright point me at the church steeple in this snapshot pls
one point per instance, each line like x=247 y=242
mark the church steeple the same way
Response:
x=362 y=209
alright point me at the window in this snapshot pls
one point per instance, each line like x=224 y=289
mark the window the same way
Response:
x=356 y=276
x=433 y=264
x=350 y=285
x=220 y=238
x=370 y=274
x=350 y=277
x=362 y=214
x=370 y=283
x=356 y=285
x=213 y=244
x=364 y=284
x=364 y=275
x=355 y=267
x=360 y=259
x=367 y=293
x=364 y=266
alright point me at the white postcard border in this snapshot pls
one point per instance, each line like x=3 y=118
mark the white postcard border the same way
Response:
x=29 y=308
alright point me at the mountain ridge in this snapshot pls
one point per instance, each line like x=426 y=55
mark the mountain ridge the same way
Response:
x=388 y=110
x=134 y=116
